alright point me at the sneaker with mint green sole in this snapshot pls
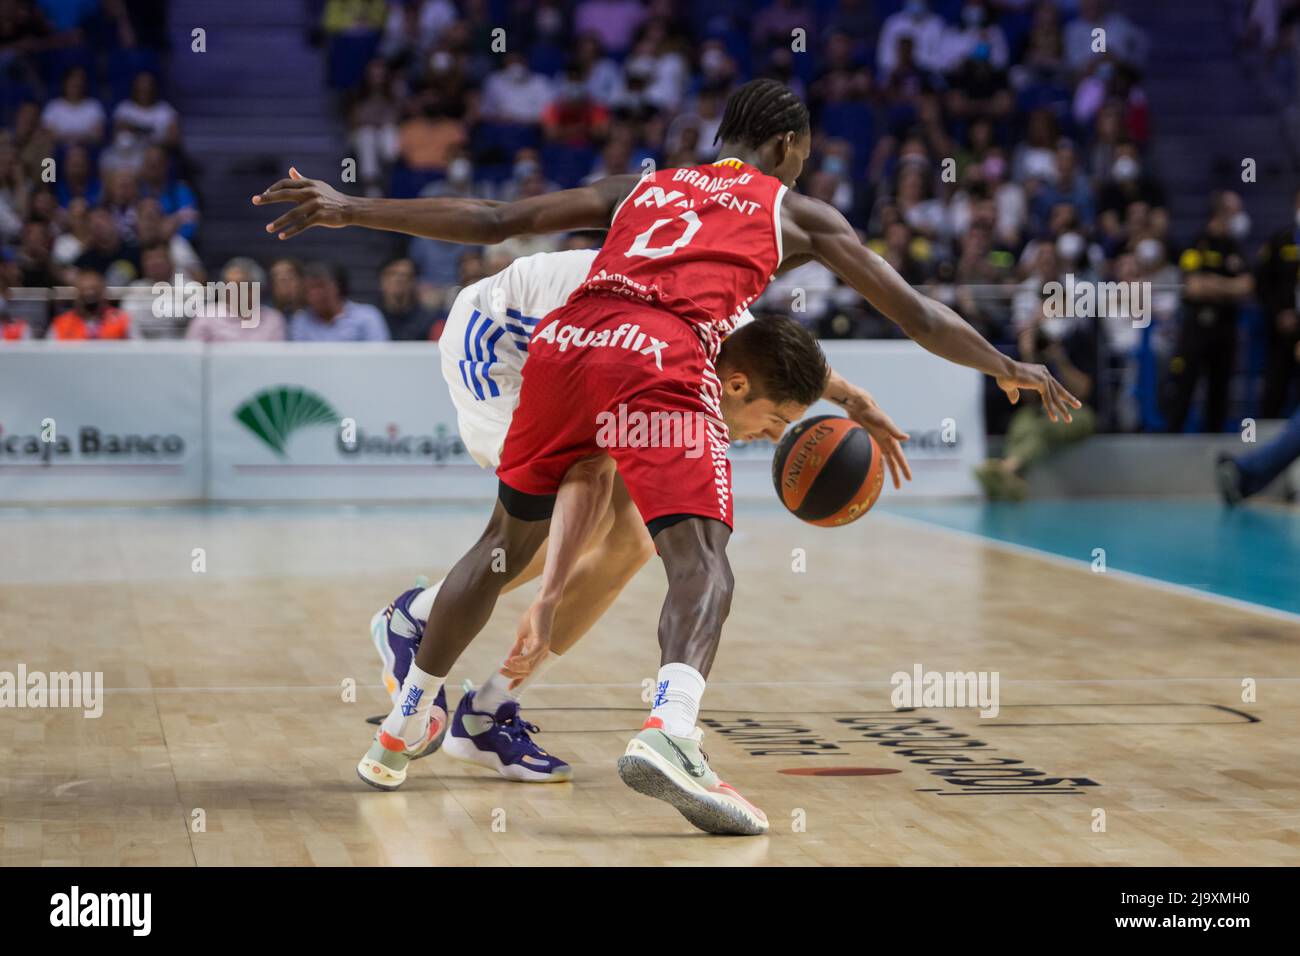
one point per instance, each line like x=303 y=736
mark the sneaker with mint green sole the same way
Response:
x=385 y=763
x=676 y=770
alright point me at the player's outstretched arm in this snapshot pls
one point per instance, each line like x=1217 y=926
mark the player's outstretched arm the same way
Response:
x=451 y=219
x=810 y=226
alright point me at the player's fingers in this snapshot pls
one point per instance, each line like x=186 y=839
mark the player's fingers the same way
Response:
x=518 y=664
x=1049 y=403
x=896 y=462
x=1013 y=394
x=904 y=466
x=1058 y=400
x=297 y=218
x=282 y=191
x=297 y=228
x=1066 y=395
x=1062 y=402
x=294 y=174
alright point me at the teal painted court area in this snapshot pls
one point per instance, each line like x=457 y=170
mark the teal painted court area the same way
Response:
x=1250 y=554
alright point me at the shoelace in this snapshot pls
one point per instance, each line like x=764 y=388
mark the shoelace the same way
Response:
x=518 y=727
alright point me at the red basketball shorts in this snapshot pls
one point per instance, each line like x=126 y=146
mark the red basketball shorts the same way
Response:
x=607 y=375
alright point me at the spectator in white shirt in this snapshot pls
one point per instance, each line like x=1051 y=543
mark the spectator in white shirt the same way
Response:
x=146 y=115
x=514 y=94
x=926 y=30
x=74 y=118
x=1124 y=41
x=600 y=74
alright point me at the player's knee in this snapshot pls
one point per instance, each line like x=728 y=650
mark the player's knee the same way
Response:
x=505 y=549
x=629 y=546
x=708 y=576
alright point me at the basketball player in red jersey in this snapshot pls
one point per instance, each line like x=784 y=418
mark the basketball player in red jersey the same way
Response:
x=687 y=250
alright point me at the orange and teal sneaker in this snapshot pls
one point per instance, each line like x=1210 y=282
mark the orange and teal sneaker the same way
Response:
x=676 y=770
x=385 y=763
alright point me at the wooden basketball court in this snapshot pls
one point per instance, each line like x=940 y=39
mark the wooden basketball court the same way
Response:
x=228 y=736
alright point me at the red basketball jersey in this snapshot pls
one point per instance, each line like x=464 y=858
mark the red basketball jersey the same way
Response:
x=700 y=242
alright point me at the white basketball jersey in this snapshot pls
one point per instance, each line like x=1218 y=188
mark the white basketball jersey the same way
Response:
x=506 y=310
x=510 y=304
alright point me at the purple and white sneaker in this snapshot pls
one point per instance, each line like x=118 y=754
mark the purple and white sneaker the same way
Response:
x=396 y=634
x=501 y=742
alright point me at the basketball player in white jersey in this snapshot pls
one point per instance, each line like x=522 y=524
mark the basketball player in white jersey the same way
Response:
x=483 y=348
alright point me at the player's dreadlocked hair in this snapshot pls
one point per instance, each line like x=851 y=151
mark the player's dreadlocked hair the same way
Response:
x=760 y=110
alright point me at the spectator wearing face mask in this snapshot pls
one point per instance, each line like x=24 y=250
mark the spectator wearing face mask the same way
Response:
x=573 y=118
x=1127 y=184
x=926 y=31
x=1215 y=284
x=91 y=316
x=1279 y=297
x=1123 y=40
x=514 y=94
x=977 y=27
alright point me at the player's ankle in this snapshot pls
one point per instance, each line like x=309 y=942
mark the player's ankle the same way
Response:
x=678 y=690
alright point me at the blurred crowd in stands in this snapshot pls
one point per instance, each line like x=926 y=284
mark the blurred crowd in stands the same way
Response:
x=985 y=148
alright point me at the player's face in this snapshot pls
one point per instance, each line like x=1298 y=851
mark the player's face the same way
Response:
x=755 y=419
x=791 y=166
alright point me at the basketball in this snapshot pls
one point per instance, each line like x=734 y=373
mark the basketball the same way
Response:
x=827 y=471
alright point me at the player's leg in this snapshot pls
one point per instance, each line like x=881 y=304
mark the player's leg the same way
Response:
x=487 y=728
x=683 y=491
x=620 y=548
x=463 y=604
x=601 y=573
x=665 y=759
x=484 y=387
x=583 y=499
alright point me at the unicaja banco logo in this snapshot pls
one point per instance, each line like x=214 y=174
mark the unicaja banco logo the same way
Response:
x=274 y=414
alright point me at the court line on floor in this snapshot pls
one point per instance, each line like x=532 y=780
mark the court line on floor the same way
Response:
x=1051 y=557
x=1234 y=678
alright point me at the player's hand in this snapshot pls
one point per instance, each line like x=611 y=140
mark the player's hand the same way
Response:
x=889 y=437
x=1057 y=402
x=315 y=203
x=532 y=642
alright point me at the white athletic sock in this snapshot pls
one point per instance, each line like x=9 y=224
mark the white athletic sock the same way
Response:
x=677 y=698
x=422 y=603
x=496 y=689
x=409 y=718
